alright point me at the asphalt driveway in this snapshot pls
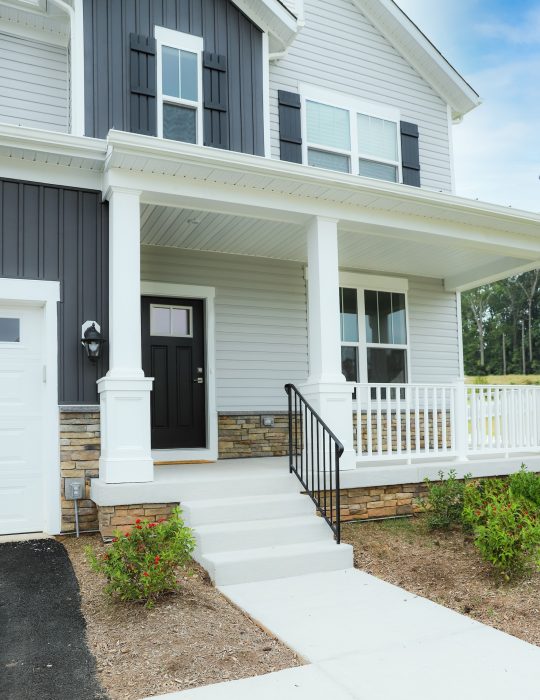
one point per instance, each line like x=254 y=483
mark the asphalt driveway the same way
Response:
x=43 y=651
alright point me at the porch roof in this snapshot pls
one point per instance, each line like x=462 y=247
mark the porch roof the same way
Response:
x=208 y=199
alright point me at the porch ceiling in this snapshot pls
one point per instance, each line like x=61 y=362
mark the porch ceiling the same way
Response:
x=366 y=249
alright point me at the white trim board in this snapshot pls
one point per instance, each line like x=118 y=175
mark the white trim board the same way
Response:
x=207 y=294
x=46 y=295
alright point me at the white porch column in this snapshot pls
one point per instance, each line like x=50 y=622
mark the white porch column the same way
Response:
x=326 y=388
x=124 y=391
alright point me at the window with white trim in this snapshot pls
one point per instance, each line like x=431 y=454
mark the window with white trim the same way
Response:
x=179 y=69
x=360 y=139
x=374 y=342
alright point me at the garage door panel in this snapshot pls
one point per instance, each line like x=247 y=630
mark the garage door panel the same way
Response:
x=21 y=423
x=21 y=507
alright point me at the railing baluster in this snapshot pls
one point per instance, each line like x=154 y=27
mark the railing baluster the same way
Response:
x=398 y=419
x=417 y=419
x=435 y=422
x=388 y=421
x=408 y=446
x=379 y=421
x=369 y=422
x=426 y=420
x=443 y=420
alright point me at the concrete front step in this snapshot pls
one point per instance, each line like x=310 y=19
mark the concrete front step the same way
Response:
x=245 y=508
x=283 y=561
x=261 y=533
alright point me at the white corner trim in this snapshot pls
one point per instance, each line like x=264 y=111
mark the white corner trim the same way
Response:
x=77 y=68
x=461 y=361
x=207 y=294
x=46 y=295
x=379 y=283
x=266 y=95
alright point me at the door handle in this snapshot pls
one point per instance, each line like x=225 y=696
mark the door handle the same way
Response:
x=199 y=380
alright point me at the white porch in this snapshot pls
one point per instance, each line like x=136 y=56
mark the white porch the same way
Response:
x=174 y=196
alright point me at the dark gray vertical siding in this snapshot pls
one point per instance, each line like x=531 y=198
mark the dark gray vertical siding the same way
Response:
x=226 y=31
x=61 y=234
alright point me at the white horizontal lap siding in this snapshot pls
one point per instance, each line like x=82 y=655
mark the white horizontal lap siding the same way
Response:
x=33 y=83
x=340 y=50
x=433 y=332
x=261 y=321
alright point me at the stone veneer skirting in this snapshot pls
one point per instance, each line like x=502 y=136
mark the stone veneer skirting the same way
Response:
x=123 y=518
x=245 y=435
x=79 y=455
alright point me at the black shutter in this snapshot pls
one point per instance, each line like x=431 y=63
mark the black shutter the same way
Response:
x=142 y=68
x=216 y=102
x=290 y=127
x=410 y=157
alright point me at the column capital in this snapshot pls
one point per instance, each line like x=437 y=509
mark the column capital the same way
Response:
x=111 y=190
x=317 y=220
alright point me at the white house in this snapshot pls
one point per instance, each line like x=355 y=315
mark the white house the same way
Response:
x=240 y=195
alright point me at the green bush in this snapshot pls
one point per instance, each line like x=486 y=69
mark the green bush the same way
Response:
x=526 y=485
x=142 y=565
x=443 y=504
x=509 y=537
x=476 y=497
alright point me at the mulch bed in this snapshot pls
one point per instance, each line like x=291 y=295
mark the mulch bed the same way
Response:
x=192 y=638
x=446 y=568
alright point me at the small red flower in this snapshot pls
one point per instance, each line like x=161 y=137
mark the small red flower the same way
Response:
x=152 y=524
x=145 y=573
x=137 y=521
x=127 y=534
x=156 y=560
x=115 y=539
x=139 y=527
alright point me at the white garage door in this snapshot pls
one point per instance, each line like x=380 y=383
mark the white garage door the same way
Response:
x=21 y=414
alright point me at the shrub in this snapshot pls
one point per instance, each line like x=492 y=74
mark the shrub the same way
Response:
x=141 y=565
x=509 y=536
x=476 y=497
x=443 y=504
x=526 y=485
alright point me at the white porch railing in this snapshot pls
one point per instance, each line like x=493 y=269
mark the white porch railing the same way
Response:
x=404 y=422
x=503 y=418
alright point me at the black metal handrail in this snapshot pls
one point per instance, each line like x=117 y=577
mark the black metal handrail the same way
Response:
x=314 y=454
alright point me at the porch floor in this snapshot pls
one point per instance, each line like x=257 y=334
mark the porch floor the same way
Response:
x=176 y=483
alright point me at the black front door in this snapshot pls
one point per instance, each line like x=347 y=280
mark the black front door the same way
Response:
x=173 y=353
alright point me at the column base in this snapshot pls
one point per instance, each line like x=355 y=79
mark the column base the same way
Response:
x=125 y=430
x=333 y=402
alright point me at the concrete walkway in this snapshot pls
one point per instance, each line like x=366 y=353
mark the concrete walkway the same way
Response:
x=366 y=639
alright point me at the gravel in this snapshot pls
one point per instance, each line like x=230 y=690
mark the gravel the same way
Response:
x=192 y=638
x=446 y=568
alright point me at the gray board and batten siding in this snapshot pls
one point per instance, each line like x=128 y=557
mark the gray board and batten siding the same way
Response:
x=114 y=29
x=33 y=83
x=261 y=323
x=61 y=234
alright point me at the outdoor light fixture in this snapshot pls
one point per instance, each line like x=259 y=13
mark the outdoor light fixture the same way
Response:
x=92 y=340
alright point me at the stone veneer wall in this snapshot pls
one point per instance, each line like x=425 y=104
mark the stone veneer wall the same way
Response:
x=79 y=455
x=246 y=436
x=380 y=501
x=123 y=518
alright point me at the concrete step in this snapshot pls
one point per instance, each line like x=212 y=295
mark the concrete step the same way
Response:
x=225 y=485
x=245 y=508
x=260 y=533
x=283 y=561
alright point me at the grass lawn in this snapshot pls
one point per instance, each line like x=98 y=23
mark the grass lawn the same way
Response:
x=192 y=638
x=505 y=379
x=446 y=568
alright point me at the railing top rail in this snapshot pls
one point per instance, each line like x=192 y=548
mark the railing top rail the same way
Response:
x=339 y=444
x=502 y=386
x=369 y=385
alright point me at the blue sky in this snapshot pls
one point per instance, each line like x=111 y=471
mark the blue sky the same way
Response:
x=495 y=45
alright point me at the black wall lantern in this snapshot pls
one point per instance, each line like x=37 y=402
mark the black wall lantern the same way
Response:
x=92 y=340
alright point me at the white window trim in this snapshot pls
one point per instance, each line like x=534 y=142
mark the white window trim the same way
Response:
x=182 y=42
x=376 y=283
x=310 y=93
x=207 y=294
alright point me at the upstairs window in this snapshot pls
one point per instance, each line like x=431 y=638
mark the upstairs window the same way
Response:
x=179 y=66
x=352 y=137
